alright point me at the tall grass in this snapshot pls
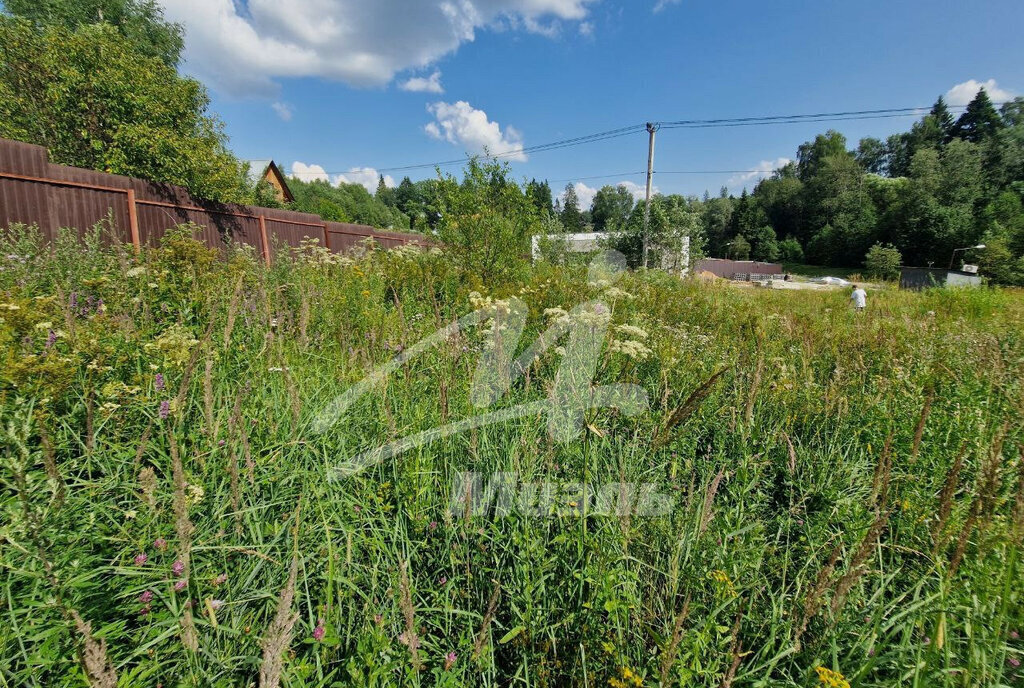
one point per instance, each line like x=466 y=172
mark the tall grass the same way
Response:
x=846 y=488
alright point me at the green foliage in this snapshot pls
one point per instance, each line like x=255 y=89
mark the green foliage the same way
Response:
x=790 y=251
x=345 y=203
x=486 y=220
x=572 y=218
x=883 y=261
x=980 y=120
x=140 y=22
x=611 y=208
x=807 y=492
x=739 y=249
x=94 y=101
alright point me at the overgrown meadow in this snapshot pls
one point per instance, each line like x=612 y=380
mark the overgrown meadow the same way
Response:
x=845 y=490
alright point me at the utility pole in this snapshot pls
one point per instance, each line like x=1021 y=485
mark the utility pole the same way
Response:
x=651 y=128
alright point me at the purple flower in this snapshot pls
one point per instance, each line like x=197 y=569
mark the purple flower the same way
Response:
x=165 y=409
x=51 y=339
x=216 y=604
x=141 y=559
x=357 y=508
x=160 y=544
x=1014 y=635
x=1014 y=662
x=178 y=567
x=73 y=302
x=442 y=580
x=927 y=640
x=158 y=381
x=433 y=525
x=220 y=580
x=180 y=585
x=449 y=659
x=146 y=597
x=319 y=631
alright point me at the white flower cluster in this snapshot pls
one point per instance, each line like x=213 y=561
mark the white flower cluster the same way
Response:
x=631 y=331
x=631 y=348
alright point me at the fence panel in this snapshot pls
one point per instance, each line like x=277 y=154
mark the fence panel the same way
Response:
x=36 y=191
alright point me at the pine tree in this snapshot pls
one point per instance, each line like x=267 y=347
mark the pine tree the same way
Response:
x=944 y=120
x=979 y=122
x=572 y=218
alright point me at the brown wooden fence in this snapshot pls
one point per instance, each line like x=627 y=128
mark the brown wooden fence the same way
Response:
x=35 y=191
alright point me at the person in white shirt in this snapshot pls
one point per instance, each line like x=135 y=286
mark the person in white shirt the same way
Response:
x=859 y=298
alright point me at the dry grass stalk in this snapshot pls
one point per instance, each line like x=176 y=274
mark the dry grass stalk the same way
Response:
x=190 y=367
x=148 y=484
x=692 y=403
x=946 y=498
x=143 y=443
x=294 y=399
x=929 y=398
x=984 y=503
x=737 y=653
x=485 y=624
x=792 y=454
x=1018 y=507
x=812 y=603
x=706 y=512
x=279 y=633
x=236 y=297
x=90 y=434
x=669 y=656
x=755 y=384
x=304 y=319
x=250 y=465
x=50 y=464
x=98 y=666
x=183 y=528
x=409 y=638
x=208 y=412
x=857 y=566
x=883 y=474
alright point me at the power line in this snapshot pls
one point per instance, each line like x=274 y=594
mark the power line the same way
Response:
x=842 y=116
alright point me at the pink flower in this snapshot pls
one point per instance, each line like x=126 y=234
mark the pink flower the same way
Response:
x=146 y=597
x=160 y=544
x=1014 y=635
x=216 y=604
x=141 y=559
x=442 y=580
x=180 y=585
x=144 y=611
x=357 y=508
x=220 y=580
x=158 y=381
x=433 y=525
x=165 y=409
x=178 y=567
x=378 y=619
x=319 y=631
x=1014 y=662
x=449 y=659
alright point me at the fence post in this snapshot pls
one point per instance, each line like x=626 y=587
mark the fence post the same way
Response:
x=327 y=237
x=263 y=239
x=133 y=221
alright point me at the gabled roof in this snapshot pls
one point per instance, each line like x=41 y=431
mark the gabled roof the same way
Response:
x=259 y=169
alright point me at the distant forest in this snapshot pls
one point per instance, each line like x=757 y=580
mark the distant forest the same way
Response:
x=947 y=183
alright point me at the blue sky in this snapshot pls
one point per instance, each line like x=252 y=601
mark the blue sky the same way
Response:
x=320 y=82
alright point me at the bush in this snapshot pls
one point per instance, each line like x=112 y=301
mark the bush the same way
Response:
x=883 y=261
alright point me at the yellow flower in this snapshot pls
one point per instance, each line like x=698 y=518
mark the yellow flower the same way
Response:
x=832 y=679
x=366 y=292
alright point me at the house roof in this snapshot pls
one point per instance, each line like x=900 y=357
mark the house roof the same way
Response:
x=258 y=170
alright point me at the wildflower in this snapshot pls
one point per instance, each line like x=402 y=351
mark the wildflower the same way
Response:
x=178 y=567
x=357 y=508
x=136 y=271
x=632 y=331
x=131 y=514
x=216 y=604
x=44 y=325
x=832 y=679
x=194 y=494
x=165 y=409
x=158 y=382
x=51 y=339
x=180 y=585
x=442 y=580
x=146 y=597
x=141 y=559
x=449 y=660
x=433 y=525
x=366 y=292
x=616 y=293
x=378 y=619
x=1014 y=635
x=160 y=544
x=319 y=631
x=220 y=580
x=1014 y=662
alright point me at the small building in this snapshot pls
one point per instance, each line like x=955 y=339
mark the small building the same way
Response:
x=729 y=269
x=268 y=171
x=923 y=278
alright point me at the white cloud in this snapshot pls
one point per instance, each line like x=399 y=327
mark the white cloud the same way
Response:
x=586 y=29
x=424 y=84
x=962 y=94
x=368 y=177
x=309 y=173
x=242 y=48
x=586 y=194
x=759 y=172
x=463 y=125
x=283 y=110
x=662 y=4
